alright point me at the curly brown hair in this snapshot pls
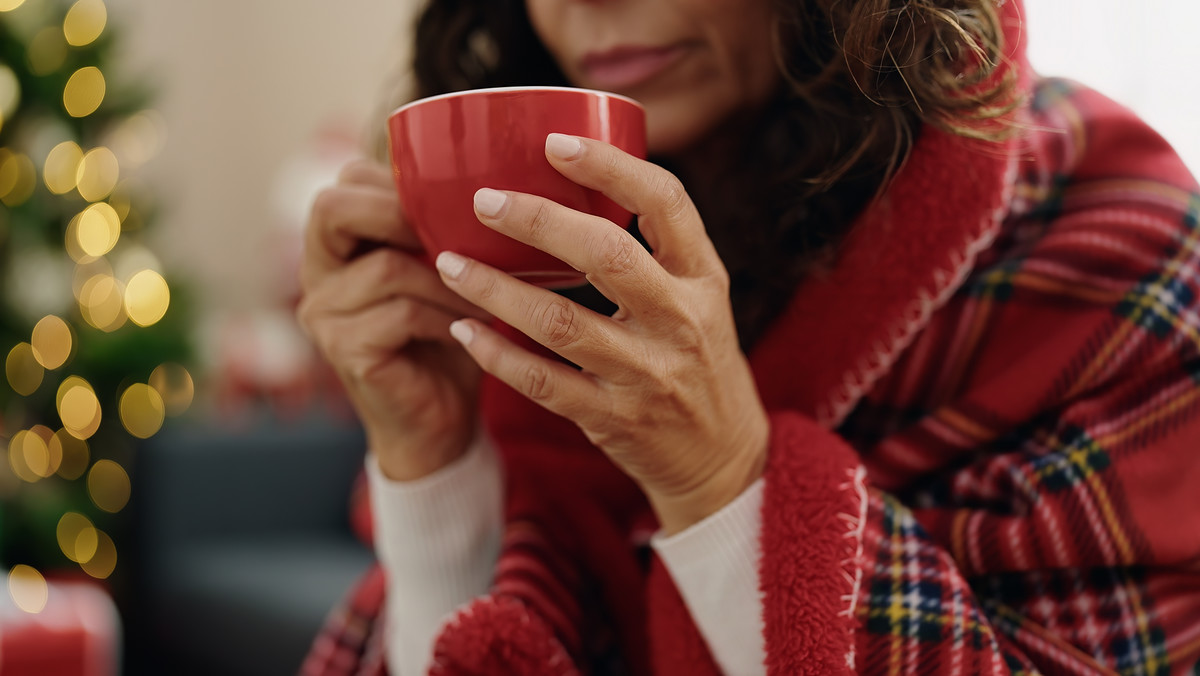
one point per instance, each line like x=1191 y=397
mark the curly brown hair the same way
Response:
x=862 y=78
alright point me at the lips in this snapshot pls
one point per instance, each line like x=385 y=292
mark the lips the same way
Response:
x=626 y=67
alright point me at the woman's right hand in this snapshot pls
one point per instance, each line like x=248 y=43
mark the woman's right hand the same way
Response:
x=381 y=317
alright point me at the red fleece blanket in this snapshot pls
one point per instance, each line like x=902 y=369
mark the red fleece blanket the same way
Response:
x=985 y=450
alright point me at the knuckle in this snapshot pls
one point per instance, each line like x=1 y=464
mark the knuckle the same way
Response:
x=540 y=221
x=487 y=289
x=537 y=383
x=675 y=199
x=359 y=170
x=613 y=166
x=559 y=323
x=620 y=252
x=403 y=311
x=326 y=204
x=389 y=265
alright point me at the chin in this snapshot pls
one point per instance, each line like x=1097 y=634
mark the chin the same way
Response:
x=671 y=131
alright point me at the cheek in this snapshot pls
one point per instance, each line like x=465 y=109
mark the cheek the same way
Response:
x=544 y=16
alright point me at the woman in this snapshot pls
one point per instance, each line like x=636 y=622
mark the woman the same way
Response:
x=904 y=378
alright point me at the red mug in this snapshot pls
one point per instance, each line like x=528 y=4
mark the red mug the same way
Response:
x=444 y=148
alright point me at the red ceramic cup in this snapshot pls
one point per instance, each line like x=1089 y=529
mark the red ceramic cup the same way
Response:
x=446 y=147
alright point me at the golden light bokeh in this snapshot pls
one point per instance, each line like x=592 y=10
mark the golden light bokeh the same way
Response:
x=10 y=92
x=27 y=586
x=120 y=200
x=104 y=561
x=47 y=51
x=176 y=387
x=37 y=456
x=87 y=264
x=74 y=453
x=147 y=298
x=84 y=92
x=10 y=5
x=18 y=178
x=77 y=537
x=23 y=370
x=108 y=486
x=87 y=269
x=53 y=451
x=52 y=342
x=98 y=174
x=98 y=229
x=18 y=460
x=78 y=407
x=85 y=22
x=139 y=138
x=102 y=302
x=61 y=168
x=142 y=410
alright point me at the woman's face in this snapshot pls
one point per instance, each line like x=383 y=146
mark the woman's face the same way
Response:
x=692 y=63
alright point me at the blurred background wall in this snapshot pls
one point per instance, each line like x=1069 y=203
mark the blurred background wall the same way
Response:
x=247 y=88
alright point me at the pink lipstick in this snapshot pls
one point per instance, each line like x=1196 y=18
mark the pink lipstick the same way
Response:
x=628 y=66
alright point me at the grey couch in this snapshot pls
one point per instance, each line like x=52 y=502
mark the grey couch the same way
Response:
x=242 y=543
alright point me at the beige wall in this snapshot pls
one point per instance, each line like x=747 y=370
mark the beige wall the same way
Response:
x=244 y=85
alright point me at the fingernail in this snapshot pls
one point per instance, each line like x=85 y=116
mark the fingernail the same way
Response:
x=489 y=202
x=450 y=264
x=462 y=331
x=562 y=146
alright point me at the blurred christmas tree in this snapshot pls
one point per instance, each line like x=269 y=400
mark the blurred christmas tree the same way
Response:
x=92 y=333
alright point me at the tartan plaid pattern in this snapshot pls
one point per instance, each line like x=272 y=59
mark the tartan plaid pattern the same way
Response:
x=1034 y=453
x=1046 y=518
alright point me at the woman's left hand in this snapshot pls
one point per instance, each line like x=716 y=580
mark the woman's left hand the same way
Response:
x=664 y=389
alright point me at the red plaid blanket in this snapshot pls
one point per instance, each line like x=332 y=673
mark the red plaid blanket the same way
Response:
x=985 y=453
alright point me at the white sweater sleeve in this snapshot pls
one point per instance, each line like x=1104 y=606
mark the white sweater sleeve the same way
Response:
x=714 y=564
x=438 y=539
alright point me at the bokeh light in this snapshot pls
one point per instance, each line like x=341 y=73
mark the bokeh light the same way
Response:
x=77 y=537
x=53 y=451
x=23 y=370
x=74 y=452
x=60 y=172
x=77 y=254
x=176 y=387
x=10 y=5
x=139 y=138
x=102 y=302
x=27 y=586
x=52 y=342
x=78 y=407
x=84 y=92
x=85 y=22
x=18 y=178
x=104 y=561
x=98 y=174
x=32 y=445
x=10 y=93
x=108 y=485
x=47 y=51
x=142 y=410
x=98 y=229
x=19 y=460
x=147 y=298
x=87 y=269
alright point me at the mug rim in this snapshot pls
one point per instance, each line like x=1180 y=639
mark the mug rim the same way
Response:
x=517 y=88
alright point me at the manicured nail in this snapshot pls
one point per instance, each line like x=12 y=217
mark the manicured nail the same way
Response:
x=462 y=332
x=562 y=146
x=450 y=264
x=489 y=202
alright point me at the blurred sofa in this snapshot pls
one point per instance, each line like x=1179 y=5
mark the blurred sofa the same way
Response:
x=242 y=542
